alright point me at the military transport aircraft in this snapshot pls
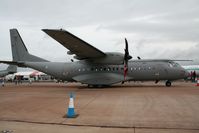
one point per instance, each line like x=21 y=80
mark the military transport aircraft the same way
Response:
x=10 y=70
x=95 y=68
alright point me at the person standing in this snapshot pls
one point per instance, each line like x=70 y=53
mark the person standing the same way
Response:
x=3 y=82
x=191 y=75
x=194 y=76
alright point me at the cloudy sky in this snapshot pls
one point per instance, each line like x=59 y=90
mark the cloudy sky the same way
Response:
x=157 y=29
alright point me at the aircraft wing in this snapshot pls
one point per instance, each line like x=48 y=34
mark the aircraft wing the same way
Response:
x=157 y=60
x=80 y=48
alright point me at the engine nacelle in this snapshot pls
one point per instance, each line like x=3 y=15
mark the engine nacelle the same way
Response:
x=69 y=53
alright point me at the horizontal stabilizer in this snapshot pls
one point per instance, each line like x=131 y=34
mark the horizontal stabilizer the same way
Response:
x=20 y=64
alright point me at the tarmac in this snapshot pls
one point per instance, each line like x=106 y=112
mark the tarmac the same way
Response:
x=135 y=107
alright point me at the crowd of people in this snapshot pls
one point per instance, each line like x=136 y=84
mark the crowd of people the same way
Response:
x=2 y=82
x=193 y=76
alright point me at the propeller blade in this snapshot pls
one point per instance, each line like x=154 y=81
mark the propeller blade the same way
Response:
x=126 y=44
x=126 y=58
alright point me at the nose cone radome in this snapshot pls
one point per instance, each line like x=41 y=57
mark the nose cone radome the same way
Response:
x=184 y=73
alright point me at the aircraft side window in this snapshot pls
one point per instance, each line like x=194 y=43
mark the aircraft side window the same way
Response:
x=83 y=69
x=117 y=68
x=170 y=64
x=131 y=68
x=108 y=69
x=79 y=70
x=139 y=68
x=101 y=69
x=92 y=69
x=96 y=69
x=173 y=64
x=113 y=68
x=134 y=68
x=176 y=64
x=104 y=68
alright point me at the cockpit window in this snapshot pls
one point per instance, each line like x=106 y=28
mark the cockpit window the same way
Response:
x=173 y=64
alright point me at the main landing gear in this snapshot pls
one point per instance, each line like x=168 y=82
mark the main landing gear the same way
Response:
x=168 y=83
x=98 y=86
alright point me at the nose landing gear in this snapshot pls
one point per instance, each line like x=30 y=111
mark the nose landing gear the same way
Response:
x=168 y=83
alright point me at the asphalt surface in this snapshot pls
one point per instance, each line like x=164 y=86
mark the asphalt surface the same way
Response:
x=133 y=107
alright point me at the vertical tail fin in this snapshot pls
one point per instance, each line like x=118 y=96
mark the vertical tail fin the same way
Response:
x=12 y=69
x=19 y=50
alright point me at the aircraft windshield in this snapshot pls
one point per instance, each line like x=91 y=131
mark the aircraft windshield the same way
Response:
x=173 y=64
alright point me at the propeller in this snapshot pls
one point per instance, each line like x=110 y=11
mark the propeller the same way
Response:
x=127 y=57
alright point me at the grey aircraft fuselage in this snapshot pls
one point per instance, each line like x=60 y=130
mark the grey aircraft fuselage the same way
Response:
x=138 y=70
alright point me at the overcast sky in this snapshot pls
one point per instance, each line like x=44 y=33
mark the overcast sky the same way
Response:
x=155 y=29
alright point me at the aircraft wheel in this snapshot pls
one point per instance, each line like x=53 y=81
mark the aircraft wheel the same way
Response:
x=168 y=83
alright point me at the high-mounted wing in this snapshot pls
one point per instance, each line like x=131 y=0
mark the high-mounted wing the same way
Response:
x=157 y=60
x=80 y=48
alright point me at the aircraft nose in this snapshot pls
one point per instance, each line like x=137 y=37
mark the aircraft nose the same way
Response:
x=184 y=73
